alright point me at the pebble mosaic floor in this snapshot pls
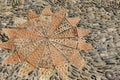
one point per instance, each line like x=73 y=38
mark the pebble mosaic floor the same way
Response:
x=101 y=16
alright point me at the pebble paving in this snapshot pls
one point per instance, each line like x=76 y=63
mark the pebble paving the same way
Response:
x=102 y=17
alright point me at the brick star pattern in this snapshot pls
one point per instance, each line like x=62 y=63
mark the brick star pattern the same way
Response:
x=47 y=41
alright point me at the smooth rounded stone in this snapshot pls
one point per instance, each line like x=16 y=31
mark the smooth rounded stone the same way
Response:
x=101 y=49
x=116 y=70
x=85 y=73
x=109 y=75
x=112 y=52
x=35 y=78
x=103 y=78
x=105 y=67
x=103 y=39
x=10 y=70
x=119 y=52
x=104 y=54
x=111 y=29
x=97 y=60
x=35 y=72
x=72 y=76
x=4 y=24
x=92 y=53
x=90 y=9
x=10 y=22
x=8 y=13
x=111 y=45
x=91 y=15
x=26 y=7
x=118 y=44
x=110 y=62
x=4 y=76
x=84 y=78
x=110 y=38
x=1 y=74
x=116 y=38
x=4 y=70
x=88 y=58
x=95 y=56
x=98 y=64
x=109 y=57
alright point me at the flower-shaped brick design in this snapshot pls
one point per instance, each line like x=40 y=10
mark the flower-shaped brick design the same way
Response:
x=46 y=41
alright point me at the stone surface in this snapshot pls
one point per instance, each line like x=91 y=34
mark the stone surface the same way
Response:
x=102 y=17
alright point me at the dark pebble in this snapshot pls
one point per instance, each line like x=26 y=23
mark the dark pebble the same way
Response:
x=54 y=78
x=93 y=77
x=0 y=69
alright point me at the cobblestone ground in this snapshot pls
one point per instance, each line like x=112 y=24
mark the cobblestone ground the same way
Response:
x=101 y=16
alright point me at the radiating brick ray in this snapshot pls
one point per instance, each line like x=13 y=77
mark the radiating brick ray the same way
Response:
x=70 y=33
x=71 y=54
x=36 y=26
x=82 y=45
x=35 y=57
x=65 y=25
x=66 y=42
x=28 y=49
x=82 y=32
x=57 y=57
x=14 y=58
x=45 y=23
x=73 y=21
x=31 y=14
x=23 y=26
x=46 y=59
x=57 y=18
x=59 y=61
x=18 y=33
x=46 y=11
x=7 y=45
x=22 y=42
x=75 y=44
